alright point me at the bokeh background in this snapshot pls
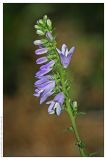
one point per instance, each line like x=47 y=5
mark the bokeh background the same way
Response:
x=28 y=129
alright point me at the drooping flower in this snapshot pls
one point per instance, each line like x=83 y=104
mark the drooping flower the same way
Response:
x=42 y=72
x=48 y=65
x=43 y=79
x=41 y=51
x=65 y=55
x=56 y=104
x=41 y=60
x=45 y=69
x=44 y=90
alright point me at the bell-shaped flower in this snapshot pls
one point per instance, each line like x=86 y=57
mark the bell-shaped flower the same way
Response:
x=56 y=104
x=44 y=89
x=45 y=68
x=65 y=55
x=41 y=51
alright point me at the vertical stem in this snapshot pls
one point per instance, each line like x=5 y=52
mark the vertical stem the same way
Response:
x=77 y=136
x=73 y=119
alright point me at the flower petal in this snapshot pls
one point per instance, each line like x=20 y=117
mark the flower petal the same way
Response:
x=58 y=110
x=58 y=51
x=64 y=47
x=50 y=108
x=41 y=51
x=59 y=98
x=45 y=96
x=48 y=86
x=42 y=80
x=71 y=51
x=41 y=60
x=43 y=72
x=65 y=60
x=66 y=52
x=50 y=64
x=49 y=36
x=43 y=85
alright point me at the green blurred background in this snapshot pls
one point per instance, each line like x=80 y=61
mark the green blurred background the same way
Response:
x=28 y=129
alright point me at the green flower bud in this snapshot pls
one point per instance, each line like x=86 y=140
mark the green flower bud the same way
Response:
x=74 y=103
x=37 y=42
x=41 y=33
x=45 y=17
x=41 y=21
x=49 y=23
x=37 y=27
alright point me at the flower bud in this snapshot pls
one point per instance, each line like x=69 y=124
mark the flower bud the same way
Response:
x=74 y=104
x=49 y=36
x=37 y=27
x=37 y=42
x=41 y=33
x=49 y=23
x=41 y=21
x=45 y=17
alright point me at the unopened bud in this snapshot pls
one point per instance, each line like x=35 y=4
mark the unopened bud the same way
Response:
x=49 y=23
x=40 y=32
x=41 y=21
x=49 y=36
x=37 y=27
x=74 y=105
x=45 y=17
x=38 y=42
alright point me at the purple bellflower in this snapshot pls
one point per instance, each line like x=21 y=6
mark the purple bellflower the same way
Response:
x=41 y=51
x=45 y=69
x=56 y=104
x=44 y=88
x=65 y=55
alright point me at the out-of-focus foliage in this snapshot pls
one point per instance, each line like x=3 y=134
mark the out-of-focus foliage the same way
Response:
x=81 y=25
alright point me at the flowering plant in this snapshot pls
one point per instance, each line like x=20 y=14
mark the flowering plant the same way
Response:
x=51 y=77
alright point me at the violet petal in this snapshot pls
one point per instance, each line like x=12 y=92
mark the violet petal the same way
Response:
x=50 y=64
x=50 y=108
x=41 y=60
x=41 y=51
x=43 y=72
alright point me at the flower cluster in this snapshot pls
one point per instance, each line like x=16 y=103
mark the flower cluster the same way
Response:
x=54 y=61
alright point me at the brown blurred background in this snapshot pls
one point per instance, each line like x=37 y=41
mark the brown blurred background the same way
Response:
x=28 y=129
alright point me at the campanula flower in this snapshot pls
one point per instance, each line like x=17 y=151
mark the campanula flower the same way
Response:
x=43 y=79
x=65 y=55
x=44 y=90
x=48 y=65
x=41 y=51
x=56 y=104
x=42 y=72
x=41 y=60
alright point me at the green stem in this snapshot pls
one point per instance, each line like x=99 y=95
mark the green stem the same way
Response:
x=77 y=136
x=72 y=118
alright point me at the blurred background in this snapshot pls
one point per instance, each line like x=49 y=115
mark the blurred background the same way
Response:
x=28 y=129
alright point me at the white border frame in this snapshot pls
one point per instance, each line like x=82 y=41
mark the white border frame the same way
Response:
x=105 y=72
